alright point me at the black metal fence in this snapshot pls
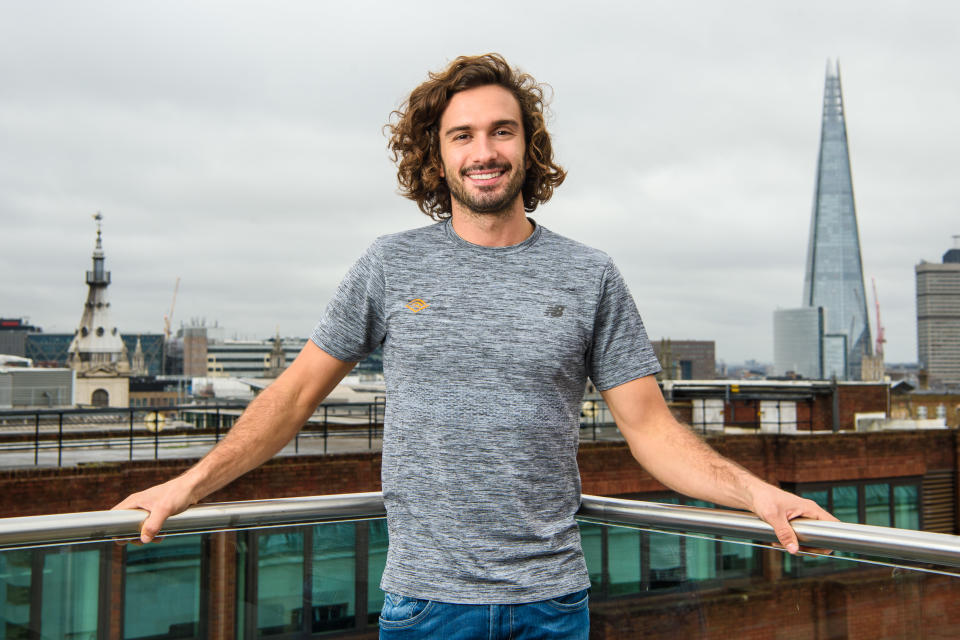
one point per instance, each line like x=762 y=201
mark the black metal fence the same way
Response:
x=39 y=430
x=138 y=428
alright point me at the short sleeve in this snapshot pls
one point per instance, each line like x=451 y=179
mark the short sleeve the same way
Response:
x=620 y=350
x=353 y=323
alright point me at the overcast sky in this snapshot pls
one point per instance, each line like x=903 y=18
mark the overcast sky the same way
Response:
x=239 y=146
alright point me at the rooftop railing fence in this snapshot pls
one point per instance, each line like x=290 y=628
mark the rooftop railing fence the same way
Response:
x=902 y=544
x=149 y=429
x=144 y=431
x=308 y=567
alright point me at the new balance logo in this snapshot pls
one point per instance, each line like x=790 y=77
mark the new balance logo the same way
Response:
x=416 y=305
x=554 y=311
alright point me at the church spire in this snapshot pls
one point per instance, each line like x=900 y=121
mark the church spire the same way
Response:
x=97 y=345
x=98 y=276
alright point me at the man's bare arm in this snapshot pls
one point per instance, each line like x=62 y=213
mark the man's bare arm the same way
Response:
x=267 y=425
x=679 y=459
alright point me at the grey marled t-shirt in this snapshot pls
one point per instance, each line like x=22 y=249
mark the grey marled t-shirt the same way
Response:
x=486 y=352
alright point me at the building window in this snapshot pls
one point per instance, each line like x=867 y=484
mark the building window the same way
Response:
x=162 y=589
x=624 y=561
x=51 y=592
x=300 y=581
x=100 y=398
x=893 y=502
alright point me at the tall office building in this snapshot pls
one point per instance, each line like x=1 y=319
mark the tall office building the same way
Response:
x=834 y=273
x=938 y=317
x=798 y=342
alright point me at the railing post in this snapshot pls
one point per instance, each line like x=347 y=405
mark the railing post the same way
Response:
x=60 y=440
x=130 y=456
x=216 y=423
x=325 y=436
x=369 y=427
x=156 y=435
x=36 y=448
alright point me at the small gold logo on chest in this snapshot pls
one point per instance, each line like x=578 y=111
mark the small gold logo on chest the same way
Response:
x=416 y=305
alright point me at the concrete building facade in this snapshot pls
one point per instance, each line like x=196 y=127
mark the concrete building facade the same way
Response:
x=798 y=342
x=938 y=318
x=686 y=359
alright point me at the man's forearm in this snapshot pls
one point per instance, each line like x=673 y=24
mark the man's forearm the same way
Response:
x=266 y=426
x=271 y=420
x=672 y=453
x=702 y=473
x=675 y=456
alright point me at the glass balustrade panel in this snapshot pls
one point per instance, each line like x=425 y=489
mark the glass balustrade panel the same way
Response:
x=314 y=581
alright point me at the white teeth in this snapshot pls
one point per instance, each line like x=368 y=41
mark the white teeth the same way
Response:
x=484 y=176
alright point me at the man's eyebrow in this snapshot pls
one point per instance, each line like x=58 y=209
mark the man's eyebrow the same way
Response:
x=467 y=127
x=457 y=129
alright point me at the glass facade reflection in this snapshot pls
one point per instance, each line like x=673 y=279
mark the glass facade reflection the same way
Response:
x=161 y=589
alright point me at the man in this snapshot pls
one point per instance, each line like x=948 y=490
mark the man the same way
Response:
x=490 y=326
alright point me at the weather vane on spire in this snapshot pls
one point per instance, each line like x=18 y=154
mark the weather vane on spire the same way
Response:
x=98 y=217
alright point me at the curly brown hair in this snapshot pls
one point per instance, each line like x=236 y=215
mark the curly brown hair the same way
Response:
x=415 y=139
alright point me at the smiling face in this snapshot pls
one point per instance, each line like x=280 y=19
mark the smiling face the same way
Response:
x=482 y=150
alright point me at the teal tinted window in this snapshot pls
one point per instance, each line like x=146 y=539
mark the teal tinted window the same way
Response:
x=334 y=580
x=280 y=582
x=71 y=579
x=15 y=584
x=591 y=538
x=700 y=553
x=845 y=503
x=162 y=589
x=877 y=501
x=666 y=557
x=666 y=561
x=906 y=507
x=819 y=496
x=624 y=559
x=701 y=558
x=738 y=559
x=377 y=560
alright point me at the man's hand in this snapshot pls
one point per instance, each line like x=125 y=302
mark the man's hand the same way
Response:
x=683 y=462
x=161 y=502
x=777 y=507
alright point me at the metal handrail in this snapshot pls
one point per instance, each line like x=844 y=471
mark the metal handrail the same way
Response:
x=94 y=526
x=887 y=542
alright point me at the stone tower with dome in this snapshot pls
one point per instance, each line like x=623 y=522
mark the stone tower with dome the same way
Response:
x=97 y=352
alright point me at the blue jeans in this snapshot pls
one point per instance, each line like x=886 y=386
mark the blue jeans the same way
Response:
x=563 y=618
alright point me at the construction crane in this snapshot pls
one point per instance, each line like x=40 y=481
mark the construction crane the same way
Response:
x=880 y=337
x=167 y=319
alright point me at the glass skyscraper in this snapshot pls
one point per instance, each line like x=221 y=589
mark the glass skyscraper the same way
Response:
x=834 y=273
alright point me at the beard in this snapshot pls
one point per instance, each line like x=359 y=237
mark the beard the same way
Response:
x=487 y=200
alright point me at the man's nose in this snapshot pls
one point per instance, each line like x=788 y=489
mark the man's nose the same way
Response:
x=483 y=150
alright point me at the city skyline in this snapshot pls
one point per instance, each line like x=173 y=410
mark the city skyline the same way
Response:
x=240 y=149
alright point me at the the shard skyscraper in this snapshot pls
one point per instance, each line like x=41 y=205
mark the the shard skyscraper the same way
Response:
x=834 y=274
